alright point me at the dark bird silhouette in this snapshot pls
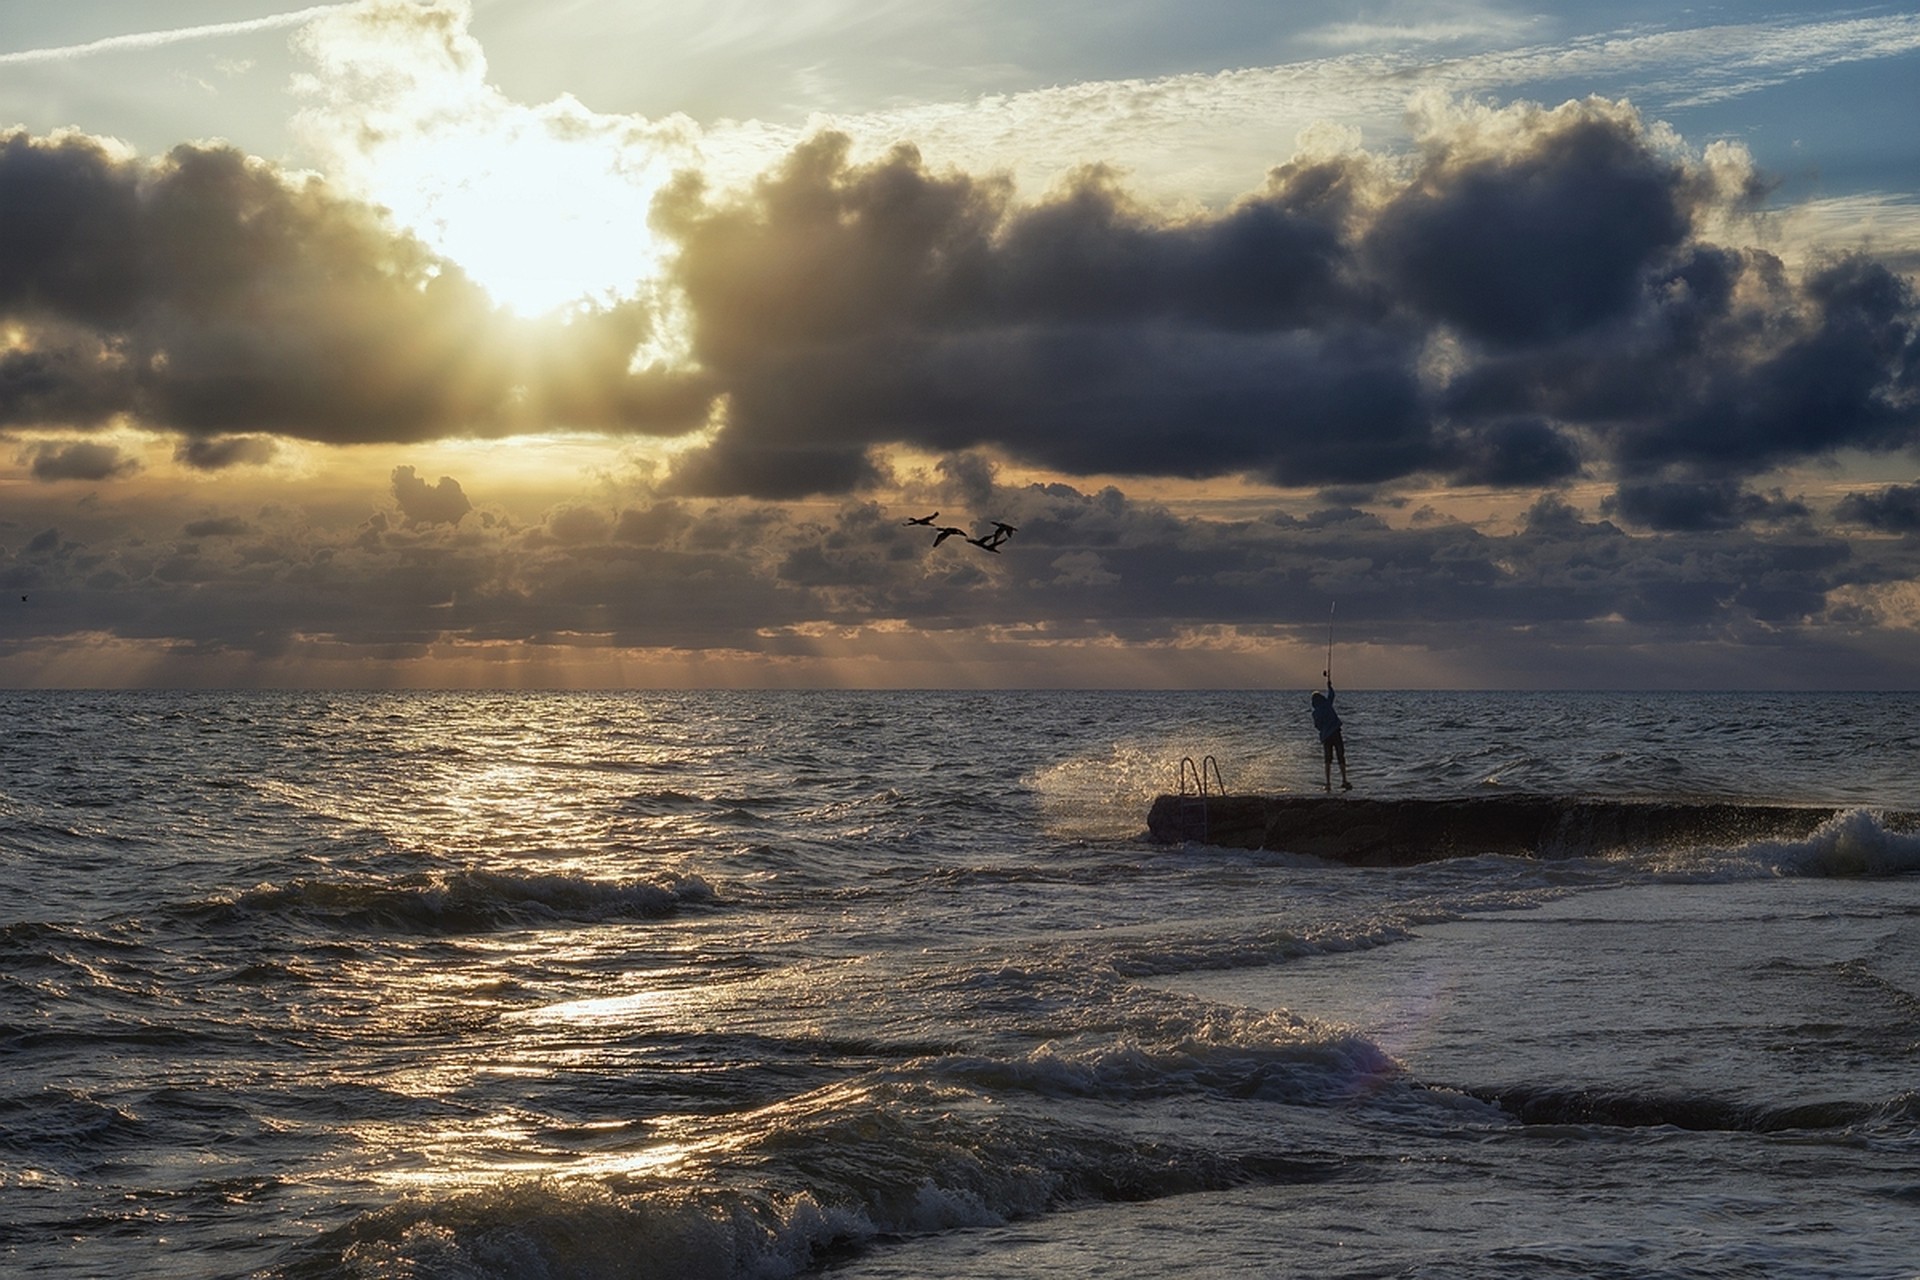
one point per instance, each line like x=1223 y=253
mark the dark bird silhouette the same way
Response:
x=925 y=520
x=991 y=541
x=942 y=535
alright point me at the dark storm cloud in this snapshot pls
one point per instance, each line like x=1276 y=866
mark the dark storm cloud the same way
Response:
x=1520 y=453
x=846 y=307
x=1694 y=505
x=654 y=524
x=1300 y=407
x=67 y=377
x=209 y=295
x=773 y=472
x=78 y=460
x=1531 y=299
x=1895 y=509
x=1538 y=243
x=443 y=502
x=1275 y=260
x=1838 y=367
x=220 y=452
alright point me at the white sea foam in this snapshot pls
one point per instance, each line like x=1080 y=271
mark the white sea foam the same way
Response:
x=1852 y=843
x=1225 y=1053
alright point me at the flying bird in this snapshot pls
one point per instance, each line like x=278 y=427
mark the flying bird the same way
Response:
x=925 y=520
x=991 y=541
x=949 y=531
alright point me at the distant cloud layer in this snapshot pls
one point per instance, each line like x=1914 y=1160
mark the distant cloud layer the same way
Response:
x=1095 y=577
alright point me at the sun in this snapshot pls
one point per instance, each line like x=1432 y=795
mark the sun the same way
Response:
x=541 y=205
x=537 y=221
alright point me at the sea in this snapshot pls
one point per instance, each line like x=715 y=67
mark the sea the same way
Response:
x=895 y=984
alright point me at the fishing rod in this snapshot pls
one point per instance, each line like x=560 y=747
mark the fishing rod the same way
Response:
x=1328 y=673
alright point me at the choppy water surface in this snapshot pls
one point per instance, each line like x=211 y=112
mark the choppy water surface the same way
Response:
x=892 y=985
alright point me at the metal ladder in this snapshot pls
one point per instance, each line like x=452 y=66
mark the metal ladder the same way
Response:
x=1193 y=803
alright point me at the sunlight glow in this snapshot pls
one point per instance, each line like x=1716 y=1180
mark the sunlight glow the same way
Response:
x=542 y=205
x=537 y=222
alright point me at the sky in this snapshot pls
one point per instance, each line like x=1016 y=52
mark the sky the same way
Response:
x=610 y=343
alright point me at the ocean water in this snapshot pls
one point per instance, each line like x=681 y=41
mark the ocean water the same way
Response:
x=894 y=985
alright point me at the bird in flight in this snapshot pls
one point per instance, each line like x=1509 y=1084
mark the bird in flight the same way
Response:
x=991 y=541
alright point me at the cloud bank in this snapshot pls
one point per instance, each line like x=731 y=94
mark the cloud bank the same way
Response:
x=1533 y=295
x=1095 y=588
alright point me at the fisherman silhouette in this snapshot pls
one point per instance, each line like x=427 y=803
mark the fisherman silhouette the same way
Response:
x=1327 y=721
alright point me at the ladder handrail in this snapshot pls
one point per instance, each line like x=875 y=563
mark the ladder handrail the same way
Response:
x=1198 y=775
x=1193 y=803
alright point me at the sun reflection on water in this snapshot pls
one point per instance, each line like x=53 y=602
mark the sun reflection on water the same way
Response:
x=652 y=1004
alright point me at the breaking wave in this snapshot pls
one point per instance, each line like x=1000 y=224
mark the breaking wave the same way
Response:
x=802 y=1184
x=1851 y=843
x=1854 y=843
x=459 y=902
x=1230 y=1054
